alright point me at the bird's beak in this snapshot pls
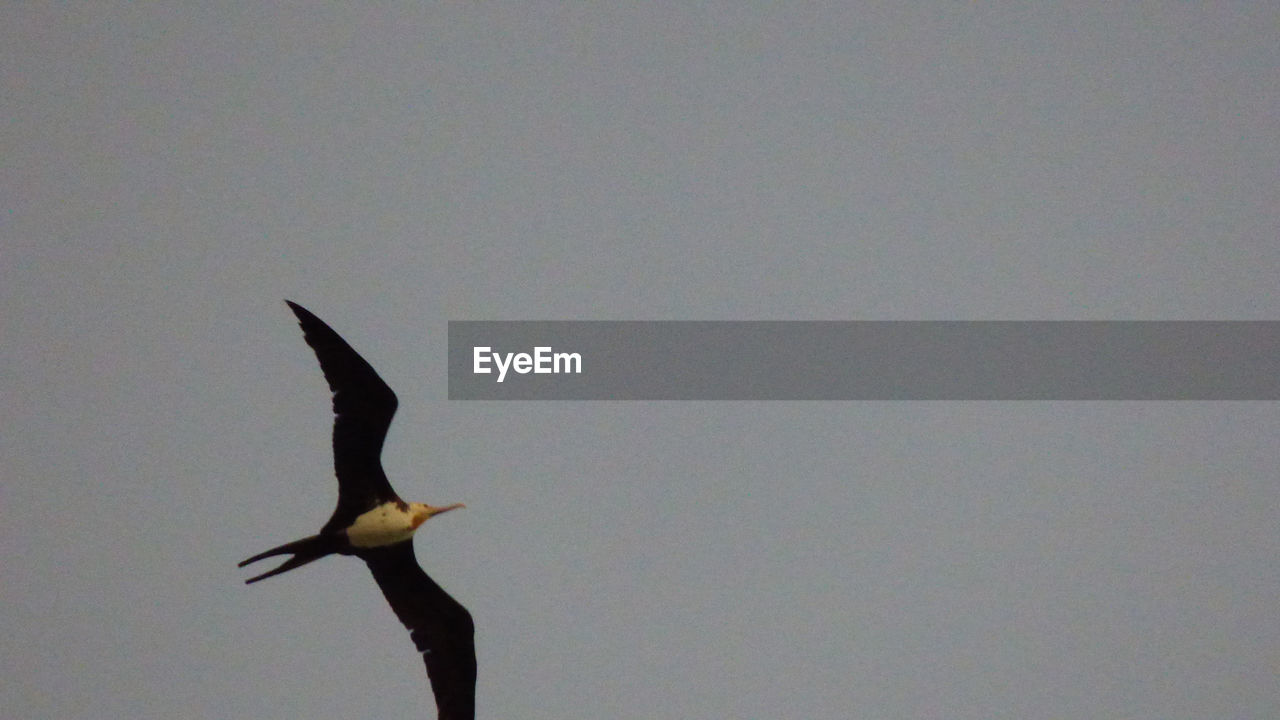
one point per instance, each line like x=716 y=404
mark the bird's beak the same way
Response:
x=430 y=512
x=433 y=511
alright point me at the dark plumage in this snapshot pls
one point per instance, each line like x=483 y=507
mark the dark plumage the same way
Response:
x=374 y=524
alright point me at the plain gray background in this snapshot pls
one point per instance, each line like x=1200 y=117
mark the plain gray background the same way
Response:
x=171 y=172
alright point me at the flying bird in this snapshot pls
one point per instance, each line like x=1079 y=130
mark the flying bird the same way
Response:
x=374 y=524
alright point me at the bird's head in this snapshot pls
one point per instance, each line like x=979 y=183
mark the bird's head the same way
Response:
x=423 y=512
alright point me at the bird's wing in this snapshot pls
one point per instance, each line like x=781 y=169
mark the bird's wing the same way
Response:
x=440 y=628
x=363 y=406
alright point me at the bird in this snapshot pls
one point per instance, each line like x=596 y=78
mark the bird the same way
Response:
x=372 y=523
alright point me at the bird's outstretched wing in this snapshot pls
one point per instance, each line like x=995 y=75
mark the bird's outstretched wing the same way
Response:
x=440 y=628
x=363 y=406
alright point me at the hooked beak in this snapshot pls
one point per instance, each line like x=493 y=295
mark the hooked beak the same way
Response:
x=430 y=512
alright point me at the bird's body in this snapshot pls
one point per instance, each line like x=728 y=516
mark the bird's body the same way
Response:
x=374 y=524
x=387 y=524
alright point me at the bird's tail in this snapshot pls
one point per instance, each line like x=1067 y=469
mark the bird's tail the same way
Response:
x=303 y=551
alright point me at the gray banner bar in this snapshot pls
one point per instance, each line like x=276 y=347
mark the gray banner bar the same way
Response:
x=874 y=360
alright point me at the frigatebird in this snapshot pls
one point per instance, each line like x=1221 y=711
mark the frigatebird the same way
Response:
x=374 y=524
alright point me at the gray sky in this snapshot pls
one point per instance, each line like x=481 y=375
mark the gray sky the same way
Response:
x=171 y=173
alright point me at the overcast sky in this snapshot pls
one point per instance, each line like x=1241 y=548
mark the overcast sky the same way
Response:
x=172 y=171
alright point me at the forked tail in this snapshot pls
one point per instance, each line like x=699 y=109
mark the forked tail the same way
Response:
x=303 y=551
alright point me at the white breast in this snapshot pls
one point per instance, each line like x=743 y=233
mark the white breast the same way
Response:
x=386 y=524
